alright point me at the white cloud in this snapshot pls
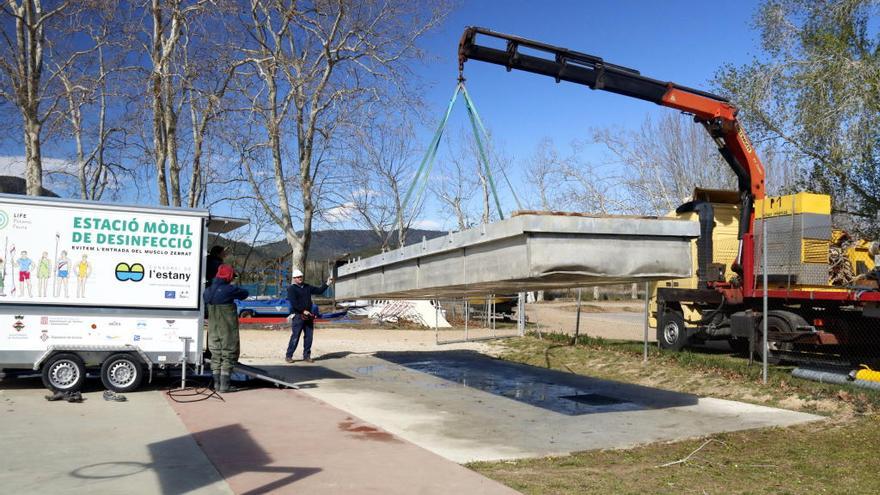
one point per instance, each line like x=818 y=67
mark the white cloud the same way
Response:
x=341 y=213
x=427 y=225
x=363 y=193
x=15 y=166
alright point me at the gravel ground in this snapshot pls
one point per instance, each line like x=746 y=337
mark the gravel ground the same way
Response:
x=624 y=321
x=269 y=345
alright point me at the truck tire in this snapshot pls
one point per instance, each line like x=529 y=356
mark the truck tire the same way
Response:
x=246 y=313
x=671 y=332
x=64 y=372
x=122 y=372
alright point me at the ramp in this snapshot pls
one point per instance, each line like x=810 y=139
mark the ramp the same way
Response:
x=261 y=374
x=530 y=251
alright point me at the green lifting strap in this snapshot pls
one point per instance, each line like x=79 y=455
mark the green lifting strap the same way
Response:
x=428 y=160
x=476 y=123
x=427 y=163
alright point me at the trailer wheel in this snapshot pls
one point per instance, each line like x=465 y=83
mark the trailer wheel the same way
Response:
x=247 y=313
x=64 y=372
x=671 y=332
x=122 y=373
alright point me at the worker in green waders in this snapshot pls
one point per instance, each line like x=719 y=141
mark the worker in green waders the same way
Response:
x=223 y=338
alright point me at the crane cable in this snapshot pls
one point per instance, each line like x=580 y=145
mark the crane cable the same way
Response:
x=420 y=179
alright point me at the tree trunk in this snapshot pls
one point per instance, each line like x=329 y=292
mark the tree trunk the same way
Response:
x=173 y=163
x=34 y=175
x=159 y=147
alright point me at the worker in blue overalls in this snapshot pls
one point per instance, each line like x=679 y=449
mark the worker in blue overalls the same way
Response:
x=302 y=319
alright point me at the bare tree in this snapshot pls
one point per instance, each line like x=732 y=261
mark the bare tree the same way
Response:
x=462 y=184
x=545 y=171
x=26 y=29
x=169 y=19
x=381 y=164
x=207 y=70
x=663 y=161
x=455 y=188
x=571 y=182
x=87 y=84
x=314 y=67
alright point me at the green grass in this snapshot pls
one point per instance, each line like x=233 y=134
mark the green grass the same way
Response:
x=833 y=456
x=741 y=380
x=796 y=460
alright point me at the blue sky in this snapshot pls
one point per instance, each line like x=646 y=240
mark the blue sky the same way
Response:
x=680 y=41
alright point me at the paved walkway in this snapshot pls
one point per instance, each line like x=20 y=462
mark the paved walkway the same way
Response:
x=284 y=441
x=96 y=447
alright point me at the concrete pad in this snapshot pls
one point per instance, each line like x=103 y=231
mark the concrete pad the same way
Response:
x=466 y=406
x=284 y=441
x=97 y=447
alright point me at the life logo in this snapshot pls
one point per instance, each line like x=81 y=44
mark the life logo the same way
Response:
x=4 y=219
x=126 y=272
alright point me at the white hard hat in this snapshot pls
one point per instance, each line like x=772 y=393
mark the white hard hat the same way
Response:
x=296 y=273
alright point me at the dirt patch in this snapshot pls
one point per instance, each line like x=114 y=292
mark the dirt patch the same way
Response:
x=263 y=345
x=600 y=308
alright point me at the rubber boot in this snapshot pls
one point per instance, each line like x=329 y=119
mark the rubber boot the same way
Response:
x=215 y=384
x=225 y=385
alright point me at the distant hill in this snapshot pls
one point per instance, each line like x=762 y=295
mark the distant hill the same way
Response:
x=17 y=185
x=327 y=244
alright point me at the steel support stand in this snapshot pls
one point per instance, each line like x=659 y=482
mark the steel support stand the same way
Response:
x=647 y=316
x=184 y=360
x=521 y=314
x=467 y=317
x=577 y=323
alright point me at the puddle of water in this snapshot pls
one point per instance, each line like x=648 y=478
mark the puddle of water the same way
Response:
x=516 y=384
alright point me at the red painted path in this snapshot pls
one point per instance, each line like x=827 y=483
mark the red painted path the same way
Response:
x=284 y=441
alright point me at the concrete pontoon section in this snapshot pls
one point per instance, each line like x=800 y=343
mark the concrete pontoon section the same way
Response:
x=531 y=251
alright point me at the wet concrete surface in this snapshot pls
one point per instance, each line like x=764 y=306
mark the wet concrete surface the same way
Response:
x=467 y=406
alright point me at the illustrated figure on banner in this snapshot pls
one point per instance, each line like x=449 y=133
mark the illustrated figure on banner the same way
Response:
x=63 y=274
x=44 y=269
x=24 y=273
x=83 y=271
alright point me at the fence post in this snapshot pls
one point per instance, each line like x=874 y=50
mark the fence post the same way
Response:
x=577 y=323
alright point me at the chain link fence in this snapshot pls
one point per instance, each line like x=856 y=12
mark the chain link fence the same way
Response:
x=820 y=286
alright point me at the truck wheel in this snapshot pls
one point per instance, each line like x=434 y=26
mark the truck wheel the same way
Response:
x=122 y=373
x=671 y=332
x=246 y=314
x=64 y=372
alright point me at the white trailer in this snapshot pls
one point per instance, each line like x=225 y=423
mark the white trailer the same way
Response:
x=97 y=286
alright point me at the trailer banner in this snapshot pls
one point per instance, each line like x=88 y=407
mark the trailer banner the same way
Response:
x=35 y=331
x=69 y=255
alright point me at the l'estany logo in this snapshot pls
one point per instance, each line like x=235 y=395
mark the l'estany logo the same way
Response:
x=4 y=219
